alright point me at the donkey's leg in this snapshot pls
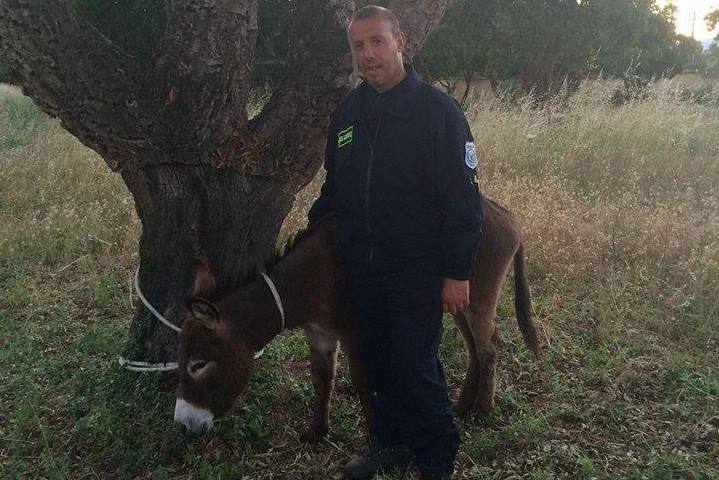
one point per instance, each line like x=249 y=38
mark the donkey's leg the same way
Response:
x=483 y=326
x=359 y=380
x=465 y=402
x=323 y=361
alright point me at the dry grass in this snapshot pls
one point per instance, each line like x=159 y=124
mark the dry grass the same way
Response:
x=620 y=210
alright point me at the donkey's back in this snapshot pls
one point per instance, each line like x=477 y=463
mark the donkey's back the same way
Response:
x=500 y=248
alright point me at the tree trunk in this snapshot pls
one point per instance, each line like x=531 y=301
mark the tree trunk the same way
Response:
x=225 y=219
x=208 y=182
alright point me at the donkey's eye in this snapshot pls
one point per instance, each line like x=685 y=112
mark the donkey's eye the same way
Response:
x=199 y=369
x=195 y=367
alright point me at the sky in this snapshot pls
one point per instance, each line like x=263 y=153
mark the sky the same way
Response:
x=686 y=12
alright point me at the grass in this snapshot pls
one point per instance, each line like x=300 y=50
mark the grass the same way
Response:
x=620 y=210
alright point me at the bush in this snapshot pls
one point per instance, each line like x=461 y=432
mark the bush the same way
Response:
x=704 y=95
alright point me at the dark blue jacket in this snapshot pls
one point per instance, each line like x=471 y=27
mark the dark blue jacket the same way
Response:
x=401 y=179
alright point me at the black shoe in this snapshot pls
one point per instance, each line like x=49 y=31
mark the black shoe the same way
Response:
x=433 y=474
x=377 y=459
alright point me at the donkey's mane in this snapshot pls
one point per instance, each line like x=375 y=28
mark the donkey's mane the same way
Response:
x=294 y=240
x=282 y=251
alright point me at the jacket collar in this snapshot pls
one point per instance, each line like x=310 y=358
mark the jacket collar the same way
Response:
x=397 y=101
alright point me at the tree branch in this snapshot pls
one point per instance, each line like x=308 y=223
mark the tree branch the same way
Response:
x=418 y=18
x=712 y=19
x=291 y=129
x=73 y=72
x=201 y=73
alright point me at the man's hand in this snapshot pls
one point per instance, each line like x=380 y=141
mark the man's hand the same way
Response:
x=455 y=295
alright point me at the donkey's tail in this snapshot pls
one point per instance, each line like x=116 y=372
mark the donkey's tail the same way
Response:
x=523 y=304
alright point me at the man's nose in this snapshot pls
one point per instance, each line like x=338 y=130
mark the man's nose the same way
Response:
x=368 y=53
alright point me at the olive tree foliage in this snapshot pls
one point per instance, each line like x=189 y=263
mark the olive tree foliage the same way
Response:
x=710 y=61
x=689 y=53
x=543 y=43
x=636 y=33
x=160 y=89
x=539 y=42
x=710 y=58
x=712 y=21
x=463 y=44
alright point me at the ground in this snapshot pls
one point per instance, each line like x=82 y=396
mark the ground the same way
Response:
x=620 y=209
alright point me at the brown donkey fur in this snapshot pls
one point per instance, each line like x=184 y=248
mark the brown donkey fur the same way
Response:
x=222 y=330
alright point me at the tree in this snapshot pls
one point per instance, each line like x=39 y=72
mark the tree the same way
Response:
x=544 y=47
x=710 y=60
x=543 y=43
x=208 y=182
x=636 y=33
x=712 y=20
x=539 y=42
x=458 y=46
x=688 y=53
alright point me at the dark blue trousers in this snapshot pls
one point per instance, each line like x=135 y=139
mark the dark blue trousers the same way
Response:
x=401 y=329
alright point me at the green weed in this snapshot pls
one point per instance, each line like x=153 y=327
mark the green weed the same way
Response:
x=619 y=208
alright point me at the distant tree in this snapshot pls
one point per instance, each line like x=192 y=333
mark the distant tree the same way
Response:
x=710 y=60
x=689 y=53
x=712 y=20
x=540 y=42
x=545 y=42
x=636 y=33
x=462 y=45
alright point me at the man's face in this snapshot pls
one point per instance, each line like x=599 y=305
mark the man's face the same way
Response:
x=378 y=51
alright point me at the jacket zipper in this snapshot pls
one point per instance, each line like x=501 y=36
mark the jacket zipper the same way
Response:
x=367 y=186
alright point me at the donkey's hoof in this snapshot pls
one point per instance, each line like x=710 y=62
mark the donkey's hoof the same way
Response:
x=482 y=411
x=313 y=434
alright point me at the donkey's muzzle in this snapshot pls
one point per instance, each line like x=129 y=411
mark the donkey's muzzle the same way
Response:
x=192 y=420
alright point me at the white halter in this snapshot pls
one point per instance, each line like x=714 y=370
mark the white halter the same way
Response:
x=136 y=366
x=276 y=296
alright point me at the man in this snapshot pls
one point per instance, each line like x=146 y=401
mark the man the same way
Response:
x=401 y=168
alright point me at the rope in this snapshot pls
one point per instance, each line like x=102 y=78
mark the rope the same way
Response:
x=137 y=366
x=150 y=307
x=276 y=296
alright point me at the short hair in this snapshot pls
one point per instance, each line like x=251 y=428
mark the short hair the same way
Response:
x=371 y=11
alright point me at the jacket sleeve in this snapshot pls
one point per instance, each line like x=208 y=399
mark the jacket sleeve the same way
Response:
x=458 y=196
x=325 y=202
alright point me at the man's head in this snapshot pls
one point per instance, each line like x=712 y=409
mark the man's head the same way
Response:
x=377 y=44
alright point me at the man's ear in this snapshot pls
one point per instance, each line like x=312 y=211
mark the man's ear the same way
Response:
x=205 y=284
x=401 y=42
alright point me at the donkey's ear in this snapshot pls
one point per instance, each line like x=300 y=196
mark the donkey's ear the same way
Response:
x=203 y=310
x=204 y=280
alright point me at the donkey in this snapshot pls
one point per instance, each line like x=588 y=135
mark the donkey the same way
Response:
x=222 y=329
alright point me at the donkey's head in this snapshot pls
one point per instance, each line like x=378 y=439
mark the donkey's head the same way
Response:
x=214 y=360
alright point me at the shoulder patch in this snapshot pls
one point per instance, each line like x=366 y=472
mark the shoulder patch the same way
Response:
x=470 y=155
x=345 y=136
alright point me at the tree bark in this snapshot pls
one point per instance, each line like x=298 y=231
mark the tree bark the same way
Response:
x=208 y=182
x=226 y=219
x=73 y=72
